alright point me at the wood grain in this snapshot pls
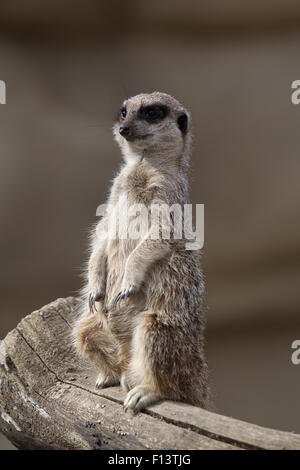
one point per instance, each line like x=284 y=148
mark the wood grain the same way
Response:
x=48 y=400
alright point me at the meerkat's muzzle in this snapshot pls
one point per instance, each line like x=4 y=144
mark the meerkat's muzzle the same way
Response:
x=125 y=131
x=130 y=134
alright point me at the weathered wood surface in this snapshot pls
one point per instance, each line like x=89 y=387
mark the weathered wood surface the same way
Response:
x=48 y=401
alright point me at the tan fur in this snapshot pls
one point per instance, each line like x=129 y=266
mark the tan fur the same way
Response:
x=152 y=340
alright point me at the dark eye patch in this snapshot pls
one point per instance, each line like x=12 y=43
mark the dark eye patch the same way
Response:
x=182 y=122
x=153 y=113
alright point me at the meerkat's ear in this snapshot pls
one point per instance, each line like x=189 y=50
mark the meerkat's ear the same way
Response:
x=182 y=122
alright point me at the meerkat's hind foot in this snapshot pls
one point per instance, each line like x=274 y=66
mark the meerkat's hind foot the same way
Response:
x=140 y=397
x=105 y=380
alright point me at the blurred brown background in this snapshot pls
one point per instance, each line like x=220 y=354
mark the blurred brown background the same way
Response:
x=67 y=66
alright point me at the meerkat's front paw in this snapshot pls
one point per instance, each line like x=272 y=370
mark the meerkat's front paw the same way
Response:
x=140 y=397
x=132 y=280
x=125 y=292
x=96 y=294
x=93 y=298
x=106 y=380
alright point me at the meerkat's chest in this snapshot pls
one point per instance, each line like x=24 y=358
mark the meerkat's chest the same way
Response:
x=128 y=221
x=129 y=217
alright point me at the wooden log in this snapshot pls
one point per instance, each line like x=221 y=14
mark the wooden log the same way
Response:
x=48 y=400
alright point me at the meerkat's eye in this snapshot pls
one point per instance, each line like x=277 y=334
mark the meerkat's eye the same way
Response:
x=153 y=113
x=123 y=113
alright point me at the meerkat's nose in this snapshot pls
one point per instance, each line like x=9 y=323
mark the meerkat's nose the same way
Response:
x=125 y=130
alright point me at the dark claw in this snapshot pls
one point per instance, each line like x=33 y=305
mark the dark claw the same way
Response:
x=92 y=305
x=118 y=298
x=123 y=295
x=126 y=294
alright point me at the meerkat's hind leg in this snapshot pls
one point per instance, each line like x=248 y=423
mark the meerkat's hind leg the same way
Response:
x=96 y=343
x=140 y=397
x=138 y=380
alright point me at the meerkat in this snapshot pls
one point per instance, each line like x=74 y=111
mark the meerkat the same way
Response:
x=143 y=319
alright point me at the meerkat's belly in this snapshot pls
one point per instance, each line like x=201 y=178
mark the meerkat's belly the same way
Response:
x=128 y=225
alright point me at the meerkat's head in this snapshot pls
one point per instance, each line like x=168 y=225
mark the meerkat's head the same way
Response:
x=152 y=125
